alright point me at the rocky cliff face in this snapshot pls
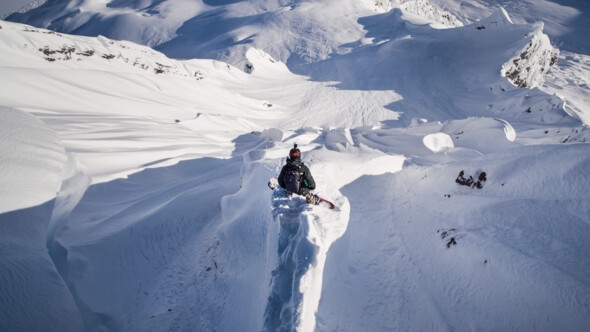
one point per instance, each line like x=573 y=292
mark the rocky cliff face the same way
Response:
x=528 y=69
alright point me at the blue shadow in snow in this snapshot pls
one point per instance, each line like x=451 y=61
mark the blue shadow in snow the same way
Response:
x=296 y=254
x=131 y=231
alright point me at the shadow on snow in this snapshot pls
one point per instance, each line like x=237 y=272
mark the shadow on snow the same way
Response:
x=296 y=254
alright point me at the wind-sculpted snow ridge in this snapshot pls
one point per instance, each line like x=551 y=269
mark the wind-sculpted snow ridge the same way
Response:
x=33 y=296
x=565 y=80
x=32 y=155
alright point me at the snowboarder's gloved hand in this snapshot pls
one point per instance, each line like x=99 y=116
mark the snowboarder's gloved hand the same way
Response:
x=312 y=199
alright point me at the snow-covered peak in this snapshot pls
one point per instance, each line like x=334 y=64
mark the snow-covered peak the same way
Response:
x=499 y=18
x=529 y=68
x=530 y=64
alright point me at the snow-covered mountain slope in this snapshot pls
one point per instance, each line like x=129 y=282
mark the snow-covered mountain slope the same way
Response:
x=569 y=80
x=566 y=21
x=423 y=8
x=155 y=91
x=418 y=61
x=182 y=28
x=163 y=220
x=297 y=33
x=440 y=256
x=293 y=32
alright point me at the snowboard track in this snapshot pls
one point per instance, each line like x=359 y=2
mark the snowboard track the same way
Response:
x=296 y=254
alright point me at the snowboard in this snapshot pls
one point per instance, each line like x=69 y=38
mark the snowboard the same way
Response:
x=273 y=184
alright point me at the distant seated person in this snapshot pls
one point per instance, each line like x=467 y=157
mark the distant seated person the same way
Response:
x=296 y=178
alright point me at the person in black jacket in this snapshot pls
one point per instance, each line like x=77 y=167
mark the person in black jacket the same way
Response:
x=296 y=178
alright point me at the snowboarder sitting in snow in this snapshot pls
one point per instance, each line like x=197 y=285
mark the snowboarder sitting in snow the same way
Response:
x=296 y=178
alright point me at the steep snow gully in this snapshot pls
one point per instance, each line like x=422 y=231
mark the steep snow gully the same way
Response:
x=263 y=269
x=296 y=238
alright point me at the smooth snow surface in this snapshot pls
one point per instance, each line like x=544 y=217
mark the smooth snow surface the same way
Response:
x=438 y=141
x=452 y=137
x=512 y=267
x=31 y=161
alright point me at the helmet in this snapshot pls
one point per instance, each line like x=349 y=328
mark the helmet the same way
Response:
x=295 y=153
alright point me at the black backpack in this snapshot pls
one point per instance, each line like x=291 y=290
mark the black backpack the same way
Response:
x=292 y=179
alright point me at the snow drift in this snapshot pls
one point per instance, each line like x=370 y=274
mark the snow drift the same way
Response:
x=31 y=161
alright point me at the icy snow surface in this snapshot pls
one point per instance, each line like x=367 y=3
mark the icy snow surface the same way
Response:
x=133 y=188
